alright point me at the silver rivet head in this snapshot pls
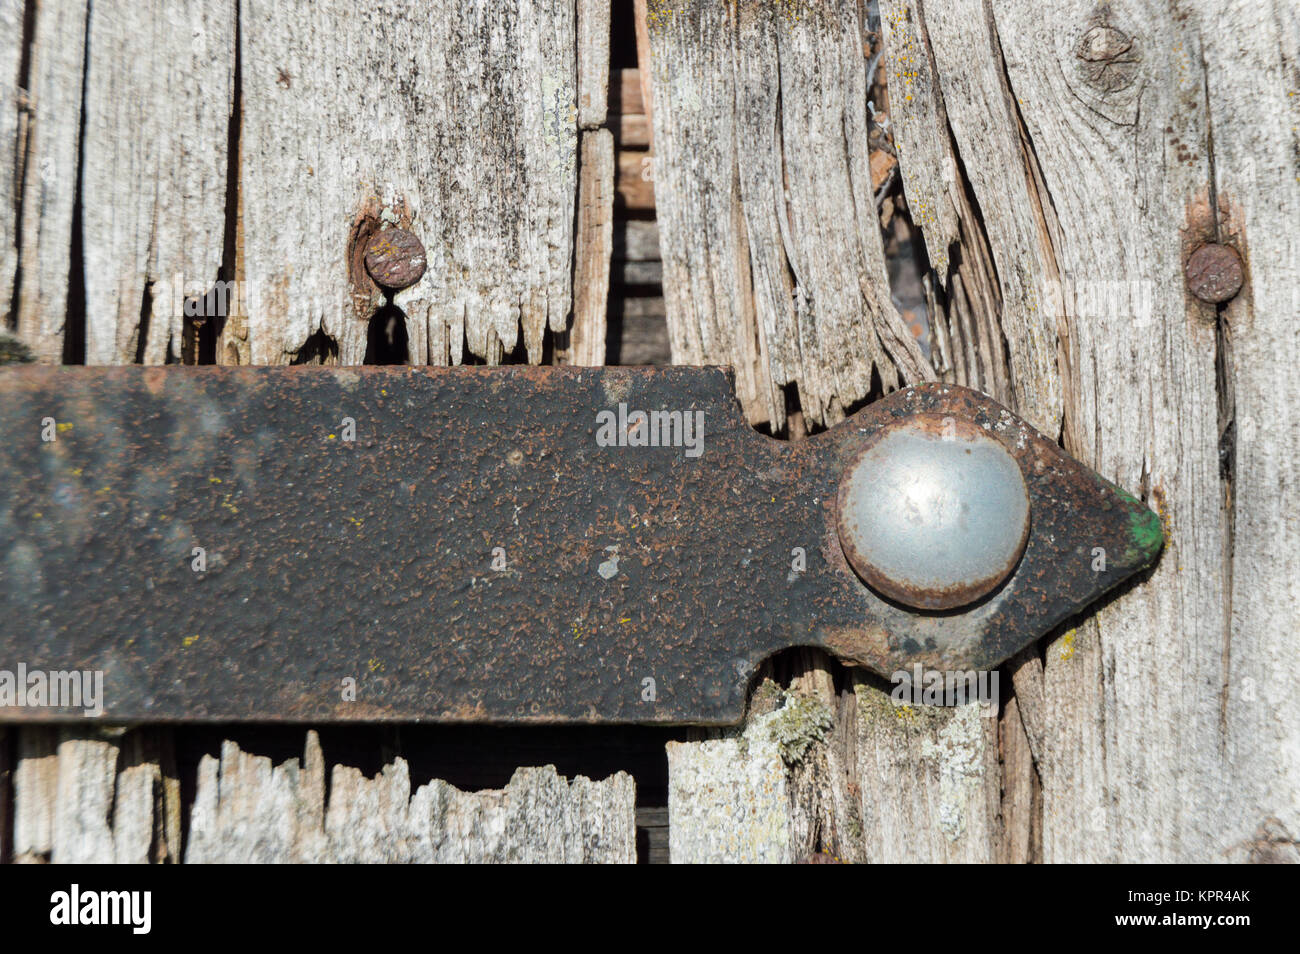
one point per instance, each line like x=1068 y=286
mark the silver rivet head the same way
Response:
x=933 y=513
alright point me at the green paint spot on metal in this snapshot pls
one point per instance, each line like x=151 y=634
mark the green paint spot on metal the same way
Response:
x=1146 y=533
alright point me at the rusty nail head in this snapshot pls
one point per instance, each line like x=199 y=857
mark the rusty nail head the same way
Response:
x=933 y=513
x=1214 y=273
x=395 y=259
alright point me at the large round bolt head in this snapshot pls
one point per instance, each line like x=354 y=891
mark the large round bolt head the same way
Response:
x=933 y=513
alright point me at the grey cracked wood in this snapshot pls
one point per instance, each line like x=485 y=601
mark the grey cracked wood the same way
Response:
x=50 y=135
x=850 y=776
x=875 y=782
x=89 y=796
x=1150 y=729
x=1252 y=62
x=593 y=62
x=94 y=796
x=12 y=100
x=948 y=99
x=772 y=255
x=1130 y=763
x=1160 y=727
x=248 y=810
x=159 y=92
x=457 y=119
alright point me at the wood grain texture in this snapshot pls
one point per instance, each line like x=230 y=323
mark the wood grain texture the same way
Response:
x=593 y=62
x=1113 y=179
x=159 y=92
x=12 y=100
x=51 y=136
x=848 y=776
x=641 y=25
x=949 y=100
x=594 y=239
x=1158 y=726
x=457 y=120
x=1062 y=163
x=159 y=86
x=247 y=809
x=773 y=260
x=728 y=800
x=973 y=187
x=929 y=780
x=1132 y=765
x=95 y=796
x=1252 y=63
x=35 y=788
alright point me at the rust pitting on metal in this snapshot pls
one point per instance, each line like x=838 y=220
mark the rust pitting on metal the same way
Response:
x=373 y=560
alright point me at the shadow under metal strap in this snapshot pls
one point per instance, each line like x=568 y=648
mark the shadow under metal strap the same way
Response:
x=515 y=544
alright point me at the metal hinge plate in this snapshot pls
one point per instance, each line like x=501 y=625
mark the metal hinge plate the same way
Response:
x=491 y=544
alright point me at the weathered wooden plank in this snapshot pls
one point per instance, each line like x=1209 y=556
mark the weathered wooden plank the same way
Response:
x=634 y=184
x=641 y=25
x=159 y=92
x=1132 y=760
x=1021 y=807
x=595 y=241
x=459 y=120
x=964 y=312
x=625 y=91
x=728 y=799
x=631 y=130
x=95 y=796
x=83 y=799
x=795 y=179
x=35 y=786
x=773 y=260
x=12 y=100
x=953 y=121
x=949 y=98
x=50 y=142
x=929 y=780
x=247 y=809
x=1252 y=63
x=853 y=777
x=636 y=240
x=1113 y=167
x=158 y=86
x=593 y=62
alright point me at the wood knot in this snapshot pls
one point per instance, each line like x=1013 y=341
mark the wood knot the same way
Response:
x=1110 y=58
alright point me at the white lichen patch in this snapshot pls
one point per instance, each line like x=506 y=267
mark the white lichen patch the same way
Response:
x=728 y=801
x=955 y=753
x=728 y=798
x=800 y=724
